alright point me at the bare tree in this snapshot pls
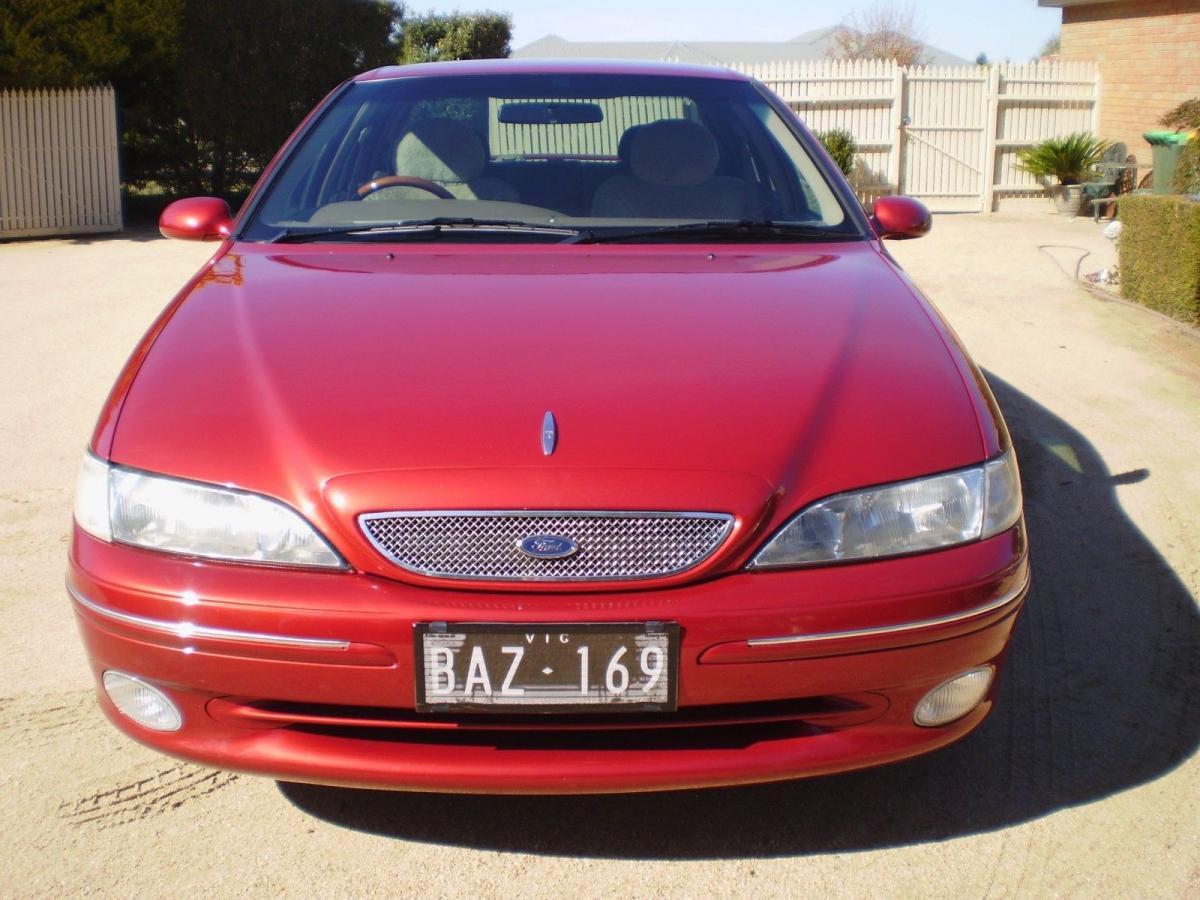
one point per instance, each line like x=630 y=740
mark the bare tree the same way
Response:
x=882 y=31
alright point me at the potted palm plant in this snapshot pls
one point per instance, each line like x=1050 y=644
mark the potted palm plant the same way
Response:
x=1071 y=160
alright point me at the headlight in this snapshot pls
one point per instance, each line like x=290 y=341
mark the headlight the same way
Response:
x=117 y=504
x=925 y=514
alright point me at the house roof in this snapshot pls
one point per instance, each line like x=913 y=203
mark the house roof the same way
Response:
x=1061 y=3
x=818 y=44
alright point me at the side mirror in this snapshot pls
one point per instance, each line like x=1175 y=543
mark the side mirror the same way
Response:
x=901 y=218
x=196 y=219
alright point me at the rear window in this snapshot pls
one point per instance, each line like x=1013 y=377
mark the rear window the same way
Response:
x=599 y=140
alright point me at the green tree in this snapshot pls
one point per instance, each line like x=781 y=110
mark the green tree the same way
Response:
x=253 y=70
x=1186 y=117
x=1052 y=47
x=67 y=43
x=131 y=44
x=434 y=38
x=208 y=89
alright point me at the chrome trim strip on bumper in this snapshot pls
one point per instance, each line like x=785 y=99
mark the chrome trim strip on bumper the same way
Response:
x=186 y=630
x=991 y=606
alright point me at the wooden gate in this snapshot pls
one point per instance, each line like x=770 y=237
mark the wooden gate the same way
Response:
x=948 y=135
x=944 y=129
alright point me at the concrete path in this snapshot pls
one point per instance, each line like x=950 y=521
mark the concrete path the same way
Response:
x=1085 y=782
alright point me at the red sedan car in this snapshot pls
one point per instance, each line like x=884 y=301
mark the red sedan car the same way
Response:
x=541 y=427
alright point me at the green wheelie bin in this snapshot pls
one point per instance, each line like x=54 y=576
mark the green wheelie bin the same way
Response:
x=1167 y=146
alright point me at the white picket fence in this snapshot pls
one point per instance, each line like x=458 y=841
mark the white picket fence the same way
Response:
x=58 y=162
x=948 y=135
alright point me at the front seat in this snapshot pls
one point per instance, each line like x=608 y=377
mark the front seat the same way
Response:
x=448 y=153
x=673 y=166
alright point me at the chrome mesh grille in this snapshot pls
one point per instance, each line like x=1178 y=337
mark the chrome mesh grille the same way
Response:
x=612 y=545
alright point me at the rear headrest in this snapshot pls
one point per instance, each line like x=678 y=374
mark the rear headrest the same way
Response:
x=441 y=150
x=673 y=152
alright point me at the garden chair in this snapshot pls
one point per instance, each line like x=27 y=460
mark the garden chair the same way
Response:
x=1118 y=178
x=1107 y=176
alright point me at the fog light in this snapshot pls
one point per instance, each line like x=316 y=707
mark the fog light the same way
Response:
x=146 y=705
x=955 y=698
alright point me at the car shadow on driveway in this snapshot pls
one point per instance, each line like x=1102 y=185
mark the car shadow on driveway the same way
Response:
x=1102 y=693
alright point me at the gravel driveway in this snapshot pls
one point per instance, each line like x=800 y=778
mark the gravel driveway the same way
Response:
x=1086 y=781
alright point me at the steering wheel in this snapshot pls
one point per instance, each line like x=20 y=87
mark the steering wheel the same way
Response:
x=412 y=181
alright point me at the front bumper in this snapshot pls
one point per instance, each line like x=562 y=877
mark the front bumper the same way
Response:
x=308 y=676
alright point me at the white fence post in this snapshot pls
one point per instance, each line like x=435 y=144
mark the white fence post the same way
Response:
x=58 y=162
x=896 y=129
x=989 y=141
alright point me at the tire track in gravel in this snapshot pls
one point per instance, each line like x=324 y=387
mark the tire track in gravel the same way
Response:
x=145 y=796
x=30 y=726
x=140 y=793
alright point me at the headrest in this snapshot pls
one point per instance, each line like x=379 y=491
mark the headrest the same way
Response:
x=441 y=150
x=626 y=143
x=673 y=152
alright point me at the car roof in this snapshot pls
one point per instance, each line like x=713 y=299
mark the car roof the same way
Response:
x=550 y=67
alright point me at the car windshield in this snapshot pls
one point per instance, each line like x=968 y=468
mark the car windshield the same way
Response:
x=550 y=157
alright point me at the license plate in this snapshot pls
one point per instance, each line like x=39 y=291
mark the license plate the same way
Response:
x=609 y=667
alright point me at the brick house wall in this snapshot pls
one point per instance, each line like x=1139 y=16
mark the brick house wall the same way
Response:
x=1148 y=52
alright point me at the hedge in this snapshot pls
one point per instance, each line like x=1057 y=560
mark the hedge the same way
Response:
x=1160 y=254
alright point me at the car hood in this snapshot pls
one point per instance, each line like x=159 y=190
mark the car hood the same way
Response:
x=748 y=380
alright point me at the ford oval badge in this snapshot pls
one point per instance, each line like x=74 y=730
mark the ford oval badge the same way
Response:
x=548 y=546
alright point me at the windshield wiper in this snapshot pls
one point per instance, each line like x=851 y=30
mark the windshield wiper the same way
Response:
x=419 y=228
x=728 y=229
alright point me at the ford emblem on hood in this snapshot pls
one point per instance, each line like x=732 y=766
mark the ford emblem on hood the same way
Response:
x=548 y=546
